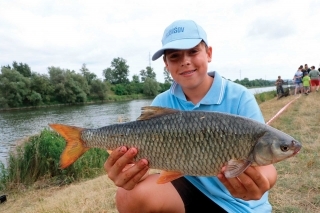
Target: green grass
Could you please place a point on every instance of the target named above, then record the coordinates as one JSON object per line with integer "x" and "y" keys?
{"x": 265, "y": 96}
{"x": 37, "y": 159}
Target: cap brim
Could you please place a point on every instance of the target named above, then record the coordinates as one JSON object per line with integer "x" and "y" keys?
{"x": 177, "y": 45}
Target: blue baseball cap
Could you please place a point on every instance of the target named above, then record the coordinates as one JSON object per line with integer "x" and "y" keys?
{"x": 181, "y": 35}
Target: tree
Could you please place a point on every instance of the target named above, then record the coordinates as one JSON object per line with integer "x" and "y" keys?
{"x": 14, "y": 88}
{"x": 164, "y": 87}
{"x": 108, "y": 75}
{"x": 167, "y": 76}
{"x": 23, "y": 69}
{"x": 87, "y": 74}
{"x": 135, "y": 79}
{"x": 34, "y": 98}
{"x": 148, "y": 73}
{"x": 8, "y": 67}
{"x": 118, "y": 72}
{"x": 69, "y": 87}
{"x": 120, "y": 89}
{"x": 40, "y": 83}
{"x": 98, "y": 89}
{"x": 151, "y": 87}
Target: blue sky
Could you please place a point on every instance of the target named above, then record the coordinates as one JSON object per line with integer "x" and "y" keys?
{"x": 253, "y": 39}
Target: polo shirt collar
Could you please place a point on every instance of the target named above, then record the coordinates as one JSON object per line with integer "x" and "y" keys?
{"x": 213, "y": 96}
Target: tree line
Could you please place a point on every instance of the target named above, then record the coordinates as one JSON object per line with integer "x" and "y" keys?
{"x": 21, "y": 87}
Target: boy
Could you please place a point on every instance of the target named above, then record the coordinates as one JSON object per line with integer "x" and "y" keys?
{"x": 186, "y": 55}
{"x": 306, "y": 83}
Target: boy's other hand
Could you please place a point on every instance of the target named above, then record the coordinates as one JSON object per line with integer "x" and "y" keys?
{"x": 249, "y": 185}
{"x": 122, "y": 171}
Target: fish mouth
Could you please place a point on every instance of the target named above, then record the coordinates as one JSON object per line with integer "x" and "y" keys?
{"x": 297, "y": 147}
{"x": 296, "y": 151}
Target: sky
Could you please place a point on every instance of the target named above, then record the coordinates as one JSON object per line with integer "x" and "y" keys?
{"x": 255, "y": 39}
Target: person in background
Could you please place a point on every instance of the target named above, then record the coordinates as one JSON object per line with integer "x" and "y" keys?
{"x": 304, "y": 71}
{"x": 186, "y": 54}
{"x": 306, "y": 68}
{"x": 297, "y": 78}
{"x": 314, "y": 76}
{"x": 279, "y": 82}
{"x": 306, "y": 83}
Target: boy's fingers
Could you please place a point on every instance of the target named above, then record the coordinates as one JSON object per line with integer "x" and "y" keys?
{"x": 257, "y": 181}
{"x": 118, "y": 161}
{"x": 130, "y": 177}
{"x": 114, "y": 156}
{"x": 132, "y": 182}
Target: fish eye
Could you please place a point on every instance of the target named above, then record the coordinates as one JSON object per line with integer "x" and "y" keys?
{"x": 284, "y": 148}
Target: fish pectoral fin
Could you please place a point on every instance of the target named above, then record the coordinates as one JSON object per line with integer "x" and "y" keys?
{"x": 167, "y": 176}
{"x": 109, "y": 151}
{"x": 235, "y": 167}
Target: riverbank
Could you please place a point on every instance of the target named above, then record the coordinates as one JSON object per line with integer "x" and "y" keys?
{"x": 113, "y": 98}
{"x": 297, "y": 188}
{"x": 110, "y": 99}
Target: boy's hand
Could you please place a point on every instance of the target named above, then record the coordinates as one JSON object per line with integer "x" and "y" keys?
{"x": 250, "y": 185}
{"x": 122, "y": 171}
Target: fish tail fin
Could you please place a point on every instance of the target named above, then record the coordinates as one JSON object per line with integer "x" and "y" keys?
{"x": 75, "y": 146}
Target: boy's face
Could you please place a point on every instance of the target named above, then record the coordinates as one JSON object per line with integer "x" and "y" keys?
{"x": 189, "y": 67}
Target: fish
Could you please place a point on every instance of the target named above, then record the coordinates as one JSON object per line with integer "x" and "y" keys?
{"x": 195, "y": 143}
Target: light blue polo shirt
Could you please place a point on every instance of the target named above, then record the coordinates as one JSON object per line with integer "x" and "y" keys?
{"x": 223, "y": 96}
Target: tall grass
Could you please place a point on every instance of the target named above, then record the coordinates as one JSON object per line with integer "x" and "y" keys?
{"x": 265, "y": 96}
{"x": 37, "y": 159}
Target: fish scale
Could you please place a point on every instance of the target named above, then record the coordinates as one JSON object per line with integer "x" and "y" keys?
{"x": 194, "y": 143}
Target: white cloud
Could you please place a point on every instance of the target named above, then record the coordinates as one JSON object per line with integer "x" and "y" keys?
{"x": 263, "y": 39}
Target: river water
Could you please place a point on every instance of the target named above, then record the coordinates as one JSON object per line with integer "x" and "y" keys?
{"x": 17, "y": 125}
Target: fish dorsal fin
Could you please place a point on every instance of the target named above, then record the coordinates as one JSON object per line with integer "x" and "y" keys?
{"x": 167, "y": 176}
{"x": 235, "y": 167}
{"x": 149, "y": 112}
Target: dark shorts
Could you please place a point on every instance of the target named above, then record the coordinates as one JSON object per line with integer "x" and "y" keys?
{"x": 193, "y": 199}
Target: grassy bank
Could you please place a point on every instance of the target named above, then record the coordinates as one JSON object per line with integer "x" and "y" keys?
{"x": 36, "y": 162}
{"x": 110, "y": 98}
{"x": 297, "y": 188}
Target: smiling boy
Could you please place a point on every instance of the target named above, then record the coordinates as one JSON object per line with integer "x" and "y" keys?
{"x": 186, "y": 55}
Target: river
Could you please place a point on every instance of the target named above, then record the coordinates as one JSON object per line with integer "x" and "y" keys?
{"x": 17, "y": 125}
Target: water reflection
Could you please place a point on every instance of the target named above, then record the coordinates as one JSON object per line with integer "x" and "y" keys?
{"x": 20, "y": 124}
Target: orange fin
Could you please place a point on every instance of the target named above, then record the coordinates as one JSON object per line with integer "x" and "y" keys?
{"x": 235, "y": 167}
{"x": 75, "y": 146}
{"x": 109, "y": 151}
{"x": 167, "y": 176}
{"x": 149, "y": 112}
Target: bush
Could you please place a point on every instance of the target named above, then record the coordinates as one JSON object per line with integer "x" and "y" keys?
{"x": 38, "y": 159}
